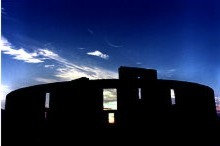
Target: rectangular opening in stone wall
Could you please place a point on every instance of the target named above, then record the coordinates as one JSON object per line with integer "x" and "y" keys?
{"x": 47, "y": 104}
{"x": 110, "y": 99}
{"x": 47, "y": 100}
{"x": 172, "y": 95}
{"x": 139, "y": 93}
{"x": 111, "y": 118}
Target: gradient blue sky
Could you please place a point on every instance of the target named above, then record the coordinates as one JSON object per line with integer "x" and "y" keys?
{"x": 55, "y": 40}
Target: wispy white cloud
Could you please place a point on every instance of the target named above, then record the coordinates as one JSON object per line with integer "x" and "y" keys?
{"x": 47, "y": 53}
{"x": 111, "y": 44}
{"x": 38, "y": 56}
{"x": 70, "y": 72}
{"x": 45, "y": 80}
{"x": 98, "y": 54}
{"x": 51, "y": 66}
{"x": 169, "y": 73}
{"x": 18, "y": 54}
{"x": 66, "y": 70}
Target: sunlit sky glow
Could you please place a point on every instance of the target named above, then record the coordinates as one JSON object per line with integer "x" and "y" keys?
{"x": 60, "y": 40}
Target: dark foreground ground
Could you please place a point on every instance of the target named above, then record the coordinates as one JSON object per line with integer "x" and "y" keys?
{"x": 76, "y": 135}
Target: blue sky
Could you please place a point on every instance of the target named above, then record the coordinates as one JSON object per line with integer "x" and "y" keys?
{"x": 58, "y": 40}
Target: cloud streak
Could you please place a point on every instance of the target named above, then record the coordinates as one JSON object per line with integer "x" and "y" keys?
{"x": 20, "y": 54}
{"x": 66, "y": 70}
{"x": 98, "y": 54}
{"x": 170, "y": 73}
{"x": 45, "y": 80}
{"x": 51, "y": 66}
{"x": 38, "y": 56}
{"x": 111, "y": 44}
{"x": 70, "y": 72}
